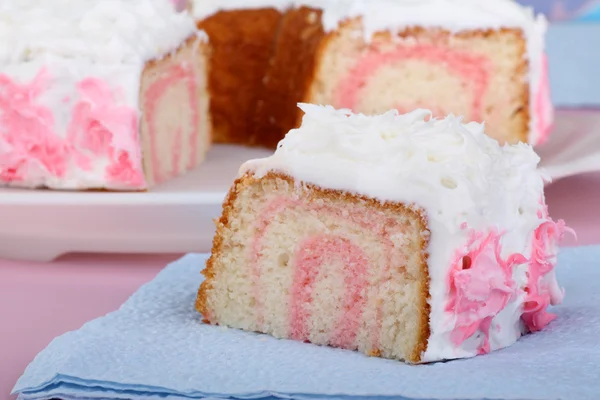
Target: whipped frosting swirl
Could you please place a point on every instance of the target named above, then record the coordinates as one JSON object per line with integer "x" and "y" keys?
{"x": 452, "y": 168}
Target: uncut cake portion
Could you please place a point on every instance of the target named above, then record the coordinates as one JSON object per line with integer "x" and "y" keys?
{"x": 400, "y": 236}
{"x": 100, "y": 94}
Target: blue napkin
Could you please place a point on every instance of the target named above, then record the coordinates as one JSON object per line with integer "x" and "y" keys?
{"x": 155, "y": 347}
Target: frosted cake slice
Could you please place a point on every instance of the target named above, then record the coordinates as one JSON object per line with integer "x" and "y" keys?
{"x": 399, "y": 236}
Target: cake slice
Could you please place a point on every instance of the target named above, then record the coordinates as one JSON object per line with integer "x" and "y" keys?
{"x": 482, "y": 60}
{"x": 100, "y": 94}
{"x": 399, "y": 236}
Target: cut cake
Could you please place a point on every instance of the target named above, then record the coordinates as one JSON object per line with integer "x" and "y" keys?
{"x": 483, "y": 60}
{"x": 400, "y": 236}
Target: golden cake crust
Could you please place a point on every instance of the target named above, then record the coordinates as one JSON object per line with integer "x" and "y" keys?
{"x": 316, "y": 192}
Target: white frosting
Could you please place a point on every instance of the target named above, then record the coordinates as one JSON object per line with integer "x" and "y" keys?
{"x": 454, "y": 172}
{"x": 103, "y": 31}
{"x": 394, "y": 15}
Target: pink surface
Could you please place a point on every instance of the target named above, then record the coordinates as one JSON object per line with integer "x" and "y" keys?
{"x": 41, "y": 301}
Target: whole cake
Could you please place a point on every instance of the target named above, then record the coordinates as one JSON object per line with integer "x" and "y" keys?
{"x": 100, "y": 94}
{"x": 480, "y": 59}
{"x": 400, "y": 236}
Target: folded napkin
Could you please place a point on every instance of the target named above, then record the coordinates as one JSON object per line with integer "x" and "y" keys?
{"x": 155, "y": 347}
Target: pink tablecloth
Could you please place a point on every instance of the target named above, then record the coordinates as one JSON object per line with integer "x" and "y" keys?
{"x": 41, "y": 301}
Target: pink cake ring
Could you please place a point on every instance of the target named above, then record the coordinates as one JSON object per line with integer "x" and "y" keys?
{"x": 156, "y": 92}
{"x": 472, "y": 70}
{"x": 309, "y": 258}
{"x": 312, "y": 253}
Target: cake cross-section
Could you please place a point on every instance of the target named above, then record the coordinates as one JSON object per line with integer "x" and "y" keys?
{"x": 100, "y": 94}
{"x": 401, "y": 236}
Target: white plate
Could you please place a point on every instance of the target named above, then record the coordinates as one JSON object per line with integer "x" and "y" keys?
{"x": 177, "y": 217}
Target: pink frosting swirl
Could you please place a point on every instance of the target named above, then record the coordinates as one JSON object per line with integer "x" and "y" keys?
{"x": 480, "y": 281}
{"x": 27, "y": 137}
{"x": 480, "y": 286}
{"x": 102, "y": 127}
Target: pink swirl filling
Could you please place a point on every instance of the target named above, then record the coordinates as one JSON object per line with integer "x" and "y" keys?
{"x": 315, "y": 251}
{"x": 480, "y": 281}
{"x": 310, "y": 256}
{"x": 472, "y": 70}
{"x": 156, "y": 92}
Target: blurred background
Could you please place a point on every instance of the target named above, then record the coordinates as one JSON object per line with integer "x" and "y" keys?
{"x": 567, "y": 10}
{"x": 573, "y": 44}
